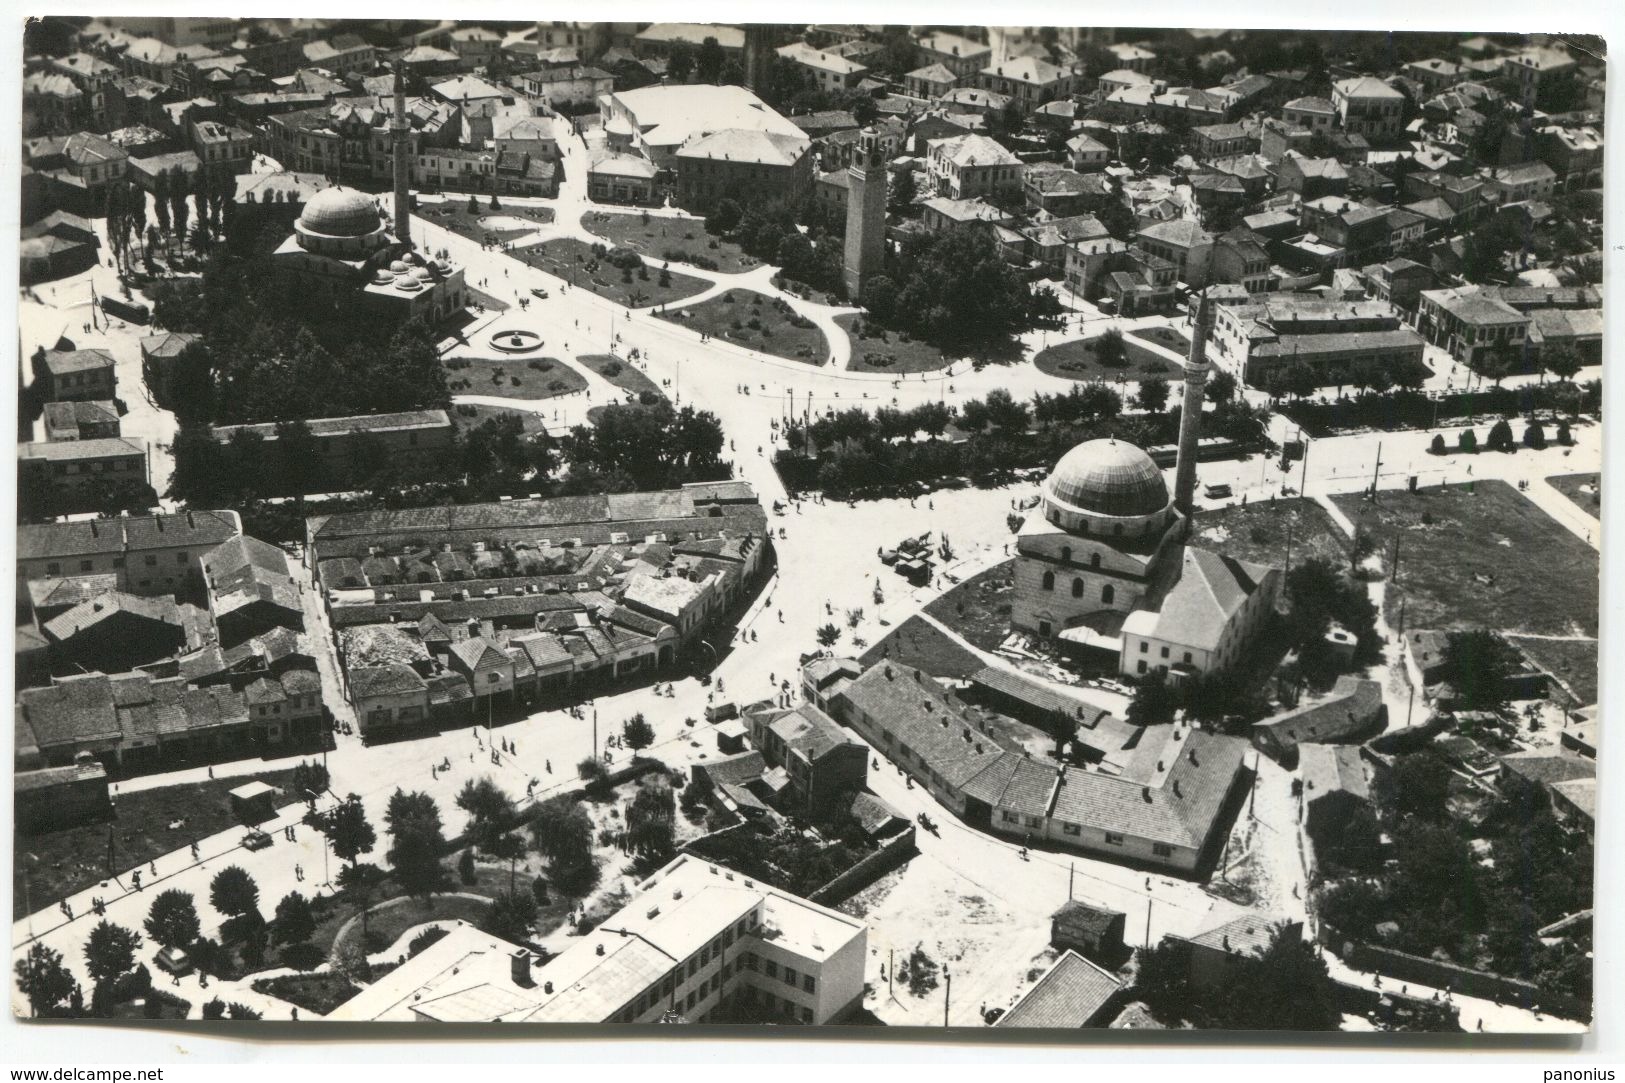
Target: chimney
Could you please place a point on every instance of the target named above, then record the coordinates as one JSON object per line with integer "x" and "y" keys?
{"x": 191, "y": 520}
{"x": 547, "y": 987}
{"x": 600, "y": 949}
{"x": 520, "y": 961}
{"x": 1145, "y": 794}
{"x": 1176, "y": 789}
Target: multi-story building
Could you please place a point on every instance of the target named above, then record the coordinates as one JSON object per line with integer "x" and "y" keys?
{"x": 1183, "y": 243}
{"x": 80, "y": 420}
{"x": 1368, "y": 106}
{"x": 1575, "y": 155}
{"x": 1222, "y": 141}
{"x": 696, "y": 941}
{"x": 765, "y": 167}
{"x": 1240, "y": 257}
{"x": 1520, "y": 183}
{"x": 1028, "y": 81}
{"x": 1311, "y": 114}
{"x": 969, "y": 166}
{"x": 412, "y": 437}
{"x": 960, "y": 55}
{"x": 930, "y": 82}
{"x": 1533, "y": 67}
{"x": 830, "y": 72}
{"x": 73, "y": 471}
{"x": 1259, "y": 341}
{"x": 76, "y": 375}
{"x": 826, "y": 767}
{"x": 146, "y": 554}
{"x": 656, "y": 121}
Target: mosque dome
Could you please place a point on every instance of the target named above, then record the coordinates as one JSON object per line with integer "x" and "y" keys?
{"x": 1108, "y": 477}
{"x": 340, "y": 212}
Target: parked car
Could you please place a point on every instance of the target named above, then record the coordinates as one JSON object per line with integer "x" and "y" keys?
{"x": 256, "y": 840}
{"x": 537, "y": 291}
{"x": 1217, "y": 492}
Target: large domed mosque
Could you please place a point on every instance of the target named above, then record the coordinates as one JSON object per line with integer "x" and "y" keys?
{"x": 343, "y": 250}
{"x": 1103, "y": 568}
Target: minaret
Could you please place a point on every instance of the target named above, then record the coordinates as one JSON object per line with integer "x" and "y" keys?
{"x": 398, "y": 132}
{"x": 1190, "y": 417}
{"x": 865, "y": 215}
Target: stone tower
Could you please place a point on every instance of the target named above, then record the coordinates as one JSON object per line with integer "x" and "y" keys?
{"x": 1190, "y": 417}
{"x": 398, "y": 133}
{"x": 865, "y": 214}
{"x": 759, "y": 39}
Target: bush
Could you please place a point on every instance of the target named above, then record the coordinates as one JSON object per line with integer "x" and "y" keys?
{"x": 465, "y": 866}
{"x": 1534, "y": 435}
{"x": 1500, "y": 438}
{"x": 214, "y": 1009}
{"x": 1437, "y": 447}
{"x": 1467, "y": 441}
{"x": 424, "y": 940}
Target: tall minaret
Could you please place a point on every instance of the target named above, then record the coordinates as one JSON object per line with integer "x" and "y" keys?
{"x": 865, "y": 251}
{"x": 398, "y": 132}
{"x": 1190, "y": 417}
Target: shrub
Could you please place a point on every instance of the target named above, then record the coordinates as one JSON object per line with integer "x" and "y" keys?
{"x": 1534, "y": 435}
{"x": 424, "y": 940}
{"x": 611, "y": 370}
{"x": 1467, "y": 441}
{"x": 465, "y": 866}
{"x": 1437, "y": 447}
{"x": 214, "y": 1009}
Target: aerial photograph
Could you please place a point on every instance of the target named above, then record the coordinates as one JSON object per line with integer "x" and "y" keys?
{"x": 996, "y": 528}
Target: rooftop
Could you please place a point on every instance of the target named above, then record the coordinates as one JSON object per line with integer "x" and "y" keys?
{"x": 1071, "y": 994}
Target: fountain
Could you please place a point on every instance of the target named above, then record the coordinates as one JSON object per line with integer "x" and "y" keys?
{"x": 516, "y": 341}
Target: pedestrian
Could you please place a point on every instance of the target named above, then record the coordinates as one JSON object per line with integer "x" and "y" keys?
{"x": 550, "y": 767}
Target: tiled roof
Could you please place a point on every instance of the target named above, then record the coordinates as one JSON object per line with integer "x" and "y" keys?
{"x": 384, "y": 681}
{"x": 1070, "y": 995}
{"x": 1332, "y": 769}
{"x": 1350, "y": 710}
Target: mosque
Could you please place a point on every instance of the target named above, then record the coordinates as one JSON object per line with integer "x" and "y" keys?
{"x": 343, "y": 250}
{"x": 1103, "y": 569}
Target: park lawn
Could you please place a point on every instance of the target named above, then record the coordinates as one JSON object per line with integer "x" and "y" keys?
{"x": 1489, "y": 558}
{"x": 729, "y": 317}
{"x": 919, "y": 643}
{"x": 1076, "y": 361}
{"x": 979, "y": 608}
{"x": 1260, "y": 532}
{"x": 317, "y": 994}
{"x": 1574, "y": 487}
{"x": 575, "y": 262}
{"x": 511, "y": 377}
{"x": 75, "y": 858}
{"x": 470, "y": 416}
{"x": 888, "y": 351}
{"x": 678, "y": 240}
{"x": 623, "y": 374}
{"x": 453, "y": 214}
{"x": 388, "y": 919}
{"x": 1165, "y": 337}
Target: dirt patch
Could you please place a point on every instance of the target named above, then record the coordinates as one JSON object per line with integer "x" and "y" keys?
{"x": 921, "y": 644}
{"x": 979, "y": 608}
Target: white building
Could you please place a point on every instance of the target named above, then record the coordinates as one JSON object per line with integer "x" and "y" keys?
{"x": 966, "y": 166}
{"x": 694, "y": 938}
{"x": 830, "y": 71}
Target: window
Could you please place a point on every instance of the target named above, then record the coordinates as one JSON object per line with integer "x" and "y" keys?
{"x": 53, "y": 568}
{"x": 1066, "y": 553}
{"x": 1144, "y": 646}
{"x": 1071, "y": 829}
{"x": 705, "y": 955}
{"x": 693, "y": 967}
{"x": 1094, "y": 560}
{"x": 750, "y": 961}
{"x": 1107, "y": 593}
{"x": 1077, "y": 588}
{"x": 152, "y": 560}
{"x": 790, "y": 976}
{"x": 808, "y": 983}
{"x": 1187, "y": 657}
{"x": 1035, "y": 821}
{"x": 1049, "y": 580}
{"x": 1009, "y": 817}
{"x": 85, "y": 565}
{"x": 1162, "y": 849}
{"x": 770, "y": 968}
{"x": 1165, "y": 652}
{"x": 1113, "y": 839}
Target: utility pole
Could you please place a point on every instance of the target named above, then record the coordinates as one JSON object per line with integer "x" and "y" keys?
{"x": 1071, "y": 871}
{"x": 1376, "y": 470}
{"x": 1409, "y": 704}
{"x": 1148, "y": 901}
{"x": 595, "y": 733}
{"x": 1303, "y": 478}
{"x": 891, "y": 969}
{"x": 947, "y": 993}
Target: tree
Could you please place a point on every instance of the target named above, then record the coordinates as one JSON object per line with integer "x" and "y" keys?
{"x": 416, "y": 841}
{"x": 1110, "y": 349}
{"x": 1494, "y": 365}
{"x": 1288, "y": 989}
{"x": 110, "y": 951}
{"x": 1418, "y": 785}
{"x": 1562, "y": 361}
{"x": 44, "y": 979}
{"x": 1481, "y": 665}
{"x": 172, "y": 920}
{"x": 1153, "y": 702}
{"x": 1534, "y": 435}
{"x": 488, "y": 809}
{"x": 1437, "y": 447}
{"x": 510, "y": 916}
{"x": 1467, "y": 441}
{"x": 349, "y": 832}
{"x": 562, "y": 831}
{"x": 293, "y": 922}
{"x": 1153, "y": 396}
{"x": 828, "y": 635}
{"x": 903, "y": 191}
{"x": 680, "y": 62}
{"x": 1221, "y": 387}
{"x": 234, "y": 893}
{"x": 1500, "y": 438}
{"x": 509, "y": 848}
{"x": 637, "y": 732}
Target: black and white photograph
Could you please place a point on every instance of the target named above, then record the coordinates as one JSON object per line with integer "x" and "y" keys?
{"x": 759, "y": 526}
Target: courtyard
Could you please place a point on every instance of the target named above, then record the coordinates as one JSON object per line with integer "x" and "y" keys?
{"x": 755, "y": 322}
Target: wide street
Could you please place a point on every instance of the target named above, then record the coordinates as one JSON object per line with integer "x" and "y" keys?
{"x": 826, "y": 570}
